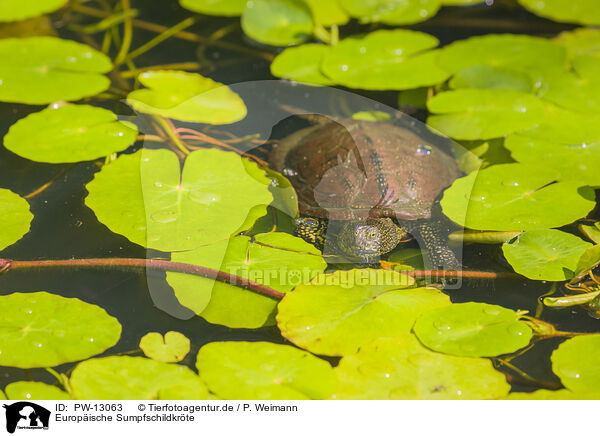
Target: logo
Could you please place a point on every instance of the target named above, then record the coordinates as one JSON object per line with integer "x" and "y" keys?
{"x": 26, "y": 415}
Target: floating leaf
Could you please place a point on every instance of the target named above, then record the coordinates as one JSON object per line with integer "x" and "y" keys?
{"x": 277, "y": 22}
{"x": 15, "y": 218}
{"x": 145, "y": 197}
{"x": 226, "y": 8}
{"x": 371, "y": 116}
{"x": 43, "y": 69}
{"x": 186, "y": 97}
{"x": 516, "y": 197}
{"x": 577, "y": 90}
{"x": 461, "y": 2}
{"x": 483, "y": 113}
{"x": 384, "y": 59}
{"x": 575, "y": 362}
{"x": 278, "y": 260}
{"x": 561, "y": 394}
{"x": 16, "y": 10}
{"x": 264, "y": 371}
{"x": 491, "y": 77}
{"x": 173, "y": 347}
{"x": 408, "y": 258}
{"x": 545, "y": 254}
{"x": 337, "y": 313}
{"x": 43, "y": 330}
{"x": 473, "y": 329}
{"x": 589, "y": 260}
{"x": 580, "y": 41}
{"x": 133, "y": 378}
{"x": 29, "y": 390}
{"x": 327, "y": 13}
{"x": 566, "y": 11}
{"x": 302, "y": 64}
{"x": 591, "y": 232}
{"x": 393, "y": 12}
{"x": 70, "y": 133}
{"x": 402, "y": 369}
{"x": 479, "y": 237}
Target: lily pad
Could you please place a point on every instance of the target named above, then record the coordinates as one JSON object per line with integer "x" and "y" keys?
{"x": 186, "y": 97}
{"x": 133, "y": 378}
{"x": 70, "y": 133}
{"x": 402, "y": 369}
{"x": 43, "y": 69}
{"x": 277, "y": 22}
{"x": 385, "y": 59}
{"x": 16, "y": 10}
{"x": 225, "y": 8}
{"x": 29, "y": 390}
{"x": 575, "y": 362}
{"x": 337, "y": 313}
{"x": 577, "y": 90}
{"x": 302, "y": 64}
{"x": 491, "y": 77}
{"x": 561, "y": 394}
{"x": 473, "y": 329}
{"x": 393, "y": 12}
{"x": 15, "y": 218}
{"x": 264, "y": 371}
{"x": 545, "y": 254}
{"x": 148, "y": 199}
{"x": 278, "y": 260}
{"x": 43, "y": 330}
{"x": 173, "y": 347}
{"x": 327, "y": 13}
{"x": 566, "y": 11}
{"x": 461, "y": 2}
{"x": 513, "y": 197}
{"x": 589, "y": 260}
{"x": 580, "y": 41}
{"x": 483, "y": 113}
{"x": 591, "y": 232}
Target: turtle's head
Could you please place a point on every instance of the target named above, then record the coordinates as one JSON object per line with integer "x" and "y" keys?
{"x": 369, "y": 238}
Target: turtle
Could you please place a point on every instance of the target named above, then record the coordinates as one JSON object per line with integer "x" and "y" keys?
{"x": 372, "y": 183}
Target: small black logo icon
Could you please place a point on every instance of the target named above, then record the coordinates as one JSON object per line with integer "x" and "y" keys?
{"x": 26, "y": 415}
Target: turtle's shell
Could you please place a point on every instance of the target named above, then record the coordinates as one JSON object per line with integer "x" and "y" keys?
{"x": 355, "y": 169}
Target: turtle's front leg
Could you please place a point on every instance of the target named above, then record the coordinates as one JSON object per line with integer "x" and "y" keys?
{"x": 312, "y": 230}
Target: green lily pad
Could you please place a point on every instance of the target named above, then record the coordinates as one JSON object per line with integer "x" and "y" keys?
{"x": 147, "y": 198}
{"x": 581, "y": 41}
{"x": 264, "y": 371}
{"x": 589, "y": 260}
{"x": 577, "y": 90}
{"x": 461, "y": 2}
{"x": 327, "y": 13}
{"x": 15, "y": 218}
{"x": 29, "y": 390}
{"x": 43, "y": 330}
{"x": 473, "y": 329}
{"x": 337, "y": 313}
{"x": 401, "y": 368}
{"x": 385, "y": 59}
{"x": 173, "y": 347}
{"x": 70, "y": 133}
{"x": 545, "y": 254}
{"x": 591, "y": 232}
{"x": 186, "y": 97}
{"x": 575, "y": 362}
{"x": 566, "y": 11}
{"x": 393, "y": 12}
{"x": 483, "y": 113}
{"x": 134, "y": 378}
{"x": 15, "y": 10}
{"x": 516, "y": 197}
{"x": 278, "y": 260}
{"x": 277, "y": 22}
{"x": 302, "y": 64}
{"x": 492, "y": 77}
{"x": 43, "y": 69}
{"x": 225, "y": 8}
{"x": 371, "y": 116}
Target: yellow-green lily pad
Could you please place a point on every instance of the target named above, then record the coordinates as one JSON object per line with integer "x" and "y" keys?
{"x": 278, "y": 260}
{"x": 516, "y": 197}
{"x": 277, "y": 22}
{"x": 70, "y": 133}
{"x": 186, "y": 97}
{"x": 15, "y": 218}
{"x": 29, "y": 390}
{"x": 302, "y": 64}
{"x": 401, "y": 368}
{"x": 473, "y": 329}
{"x": 134, "y": 378}
{"x": 173, "y": 347}
{"x": 589, "y": 260}
{"x": 147, "y": 198}
{"x": 483, "y": 113}
{"x": 393, "y": 12}
{"x": 566, "y": 11}
{"x": 44, "y": 69}
{"x": 327, "y": 13}
{"x": 544, "y": 394}
{"x": 16, "y": 10}
{"x": 384, "y": 59}
{"x": 225, "y": 8}
{"x": 580, "y": 41}
{"x": 492, "y": 77}
{"x": 42, "y": 330}
{"x": 337, "y": 313}
{"x": 264, "y": 371}
{"x": 545, "y": 254}
{"x": 575, "y": 362}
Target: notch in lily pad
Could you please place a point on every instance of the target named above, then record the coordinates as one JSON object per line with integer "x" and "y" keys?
{"x": 172, "y": 347}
